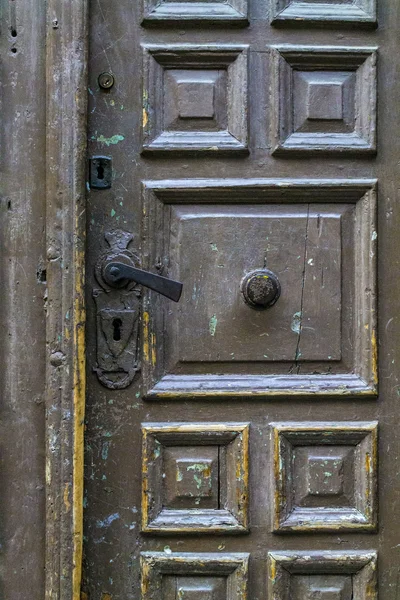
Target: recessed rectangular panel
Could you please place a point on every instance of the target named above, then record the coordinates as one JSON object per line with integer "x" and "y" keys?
{"x": 324, "y": 476}
{"x": 228, "y": 242}
{"x": 296, "y": 12}
{"x": 195, "y": 98}
{"x": 323, "y": 575}
{"x": 195, "y": 478}
{"x": 323, "y": 99}
{"x": 315, "y": 239}
{"x": 175, "y": 12}
{"x": 194, "y": 576}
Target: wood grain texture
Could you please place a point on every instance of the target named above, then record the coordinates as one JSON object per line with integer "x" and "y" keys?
{"x": 174, "y": 13}
{"x": 296, "y": 70}
{"x": 67, "y": 44}
{"x": 324, "y": 476}
{"x": 156, "y": 566}
{"x": 338, "y": 13}
{"x": 336, "y": 566}
{"x": 23, "y": 293}
{"x": 166, "y": 128}
{"x": 113, "y": 520}
{"x": 184, "y": 366}
{"x": 229, "y": 511}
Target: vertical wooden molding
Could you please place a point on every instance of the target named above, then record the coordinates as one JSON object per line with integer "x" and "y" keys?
{"x": 66, "y": 71}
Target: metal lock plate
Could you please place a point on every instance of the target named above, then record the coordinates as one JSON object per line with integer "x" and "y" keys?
{"x": 117, "y": 318}
{"x": 100, "y": 172}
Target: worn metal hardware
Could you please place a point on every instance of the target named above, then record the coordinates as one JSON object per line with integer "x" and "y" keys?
{"x": 117, "y": 318}
{"x": 118, "y": 306}
{"x": 100, "y": 172}
{"x": 106, "y": 80}
{"x": 261, "y": 289}
{"x": 116, "y": 273}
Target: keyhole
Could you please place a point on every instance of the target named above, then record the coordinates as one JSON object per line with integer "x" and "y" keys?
{"x": 100, "y": 172}
{"x": 117, "y": 324}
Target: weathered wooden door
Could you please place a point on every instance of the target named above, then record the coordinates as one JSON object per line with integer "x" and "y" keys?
{"x": 232, "y": 437}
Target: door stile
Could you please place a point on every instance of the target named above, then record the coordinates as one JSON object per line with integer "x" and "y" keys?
{"x": 66, "y": 73}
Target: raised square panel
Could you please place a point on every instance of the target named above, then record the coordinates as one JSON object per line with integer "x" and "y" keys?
{"x": 212, "y": 12}
{"x": 190, "y": 576}
{"x": 327, "y": 11}
{"x": 324, "y": 476}
{"x": 195, "y": 477}
{"x": 318, "y": 237}
{"x": 324, "y": 99}
{"x": 195, "y": 98}
{"x": 191, "y": 477}
{"x": 325, "y": 575}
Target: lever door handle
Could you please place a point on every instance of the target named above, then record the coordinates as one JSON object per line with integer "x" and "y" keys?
{"x": 116, "y": 272}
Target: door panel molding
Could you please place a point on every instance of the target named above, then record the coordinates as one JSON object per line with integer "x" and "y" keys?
{"x": 66, "y": 72}
{"x": 183, "y": 369}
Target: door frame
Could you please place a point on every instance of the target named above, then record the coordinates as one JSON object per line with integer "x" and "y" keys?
{"x": 67, "y": 37}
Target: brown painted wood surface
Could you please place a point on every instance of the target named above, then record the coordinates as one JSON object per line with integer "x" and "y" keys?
{"x": 23, "y": 290}
{"x": 315, "y": 169}
{"x": 43, "y": 147}
{"x": 66, "y": 62}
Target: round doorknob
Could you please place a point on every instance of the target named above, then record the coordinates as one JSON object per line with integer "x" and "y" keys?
{"x": 261, "y": 289}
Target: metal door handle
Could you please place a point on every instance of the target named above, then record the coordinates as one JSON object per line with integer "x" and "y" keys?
{"x": 116, "y": 273}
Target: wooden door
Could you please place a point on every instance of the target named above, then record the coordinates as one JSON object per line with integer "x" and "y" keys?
{"x": 232, "y": 437}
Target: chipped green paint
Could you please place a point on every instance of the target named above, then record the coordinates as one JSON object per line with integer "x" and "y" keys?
{"x": 199, "y": 481}
{"x": 179, "y": 475}
{"x": 296, "y": 322}
{"x": 213, "y": 325}
{"x": 157, "y": 450}
{"x": 113, "y": 213}
{"x": 113, "y": 140}
{"x": 214, "y": 247}
{"x": 104, "y": 450}
{"x": 199, "y": 467}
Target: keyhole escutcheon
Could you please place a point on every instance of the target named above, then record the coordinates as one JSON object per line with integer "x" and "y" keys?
{"x": 117, "y": 326}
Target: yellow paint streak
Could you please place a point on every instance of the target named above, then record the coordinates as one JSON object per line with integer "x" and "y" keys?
{"x": 272, "y": 569}
{"x": 153, "y": 349}
{"x": 106, "y": 596}
{"x": 368, "y": 463}
{"x": 145, "y": 578}
{"x": 244, "y": 476}
{"x": 145, "y": 117}
{"x": 67, "y": 503}
{"x": 146, "y": 337}
{"x": 67, "y": 334}
{"x": 374, "y": 349}
{"x": 177, "y": 395}
{"x": 277, "y": 475}
{"x": 368, "y": 472}
{"x": 145, "y": 499}
{"x": 194, "y": 427}
{"x": 79, "y": 373}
